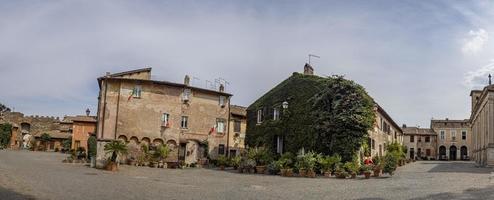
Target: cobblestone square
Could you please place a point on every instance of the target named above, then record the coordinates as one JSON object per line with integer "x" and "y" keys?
{"x": 42, "y": 175}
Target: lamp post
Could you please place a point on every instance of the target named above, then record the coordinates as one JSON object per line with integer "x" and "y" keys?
{"x": 280, "y": 141}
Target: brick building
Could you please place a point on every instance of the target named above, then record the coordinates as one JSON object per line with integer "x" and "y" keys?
{"x": 138, "y": 110}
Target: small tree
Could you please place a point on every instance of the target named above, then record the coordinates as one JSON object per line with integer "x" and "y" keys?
{"x": 5, "y": 134}
{"x": 162, "y": 152}
{"x": 115, "y": 148}
{"x": 91, "y": 146}
{"x": 45, "y": 138}
{"x": 67, "y": 144}
{"x": 390, "y": 162}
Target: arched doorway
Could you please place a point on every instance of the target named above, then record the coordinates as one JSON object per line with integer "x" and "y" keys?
{"x": 442, "y": 153}
{"x": 452, "y": 152}
{"x": 464, "y": 153}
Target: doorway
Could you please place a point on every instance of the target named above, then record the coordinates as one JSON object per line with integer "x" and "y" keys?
{"x": 452, "y": 152}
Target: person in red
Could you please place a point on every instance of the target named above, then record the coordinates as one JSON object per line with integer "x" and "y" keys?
{"x": 368, "y": 161}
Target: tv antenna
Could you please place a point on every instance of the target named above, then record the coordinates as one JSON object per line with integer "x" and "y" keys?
{"x": 312, "y": 55}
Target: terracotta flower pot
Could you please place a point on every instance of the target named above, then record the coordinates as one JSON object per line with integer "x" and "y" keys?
{"x": 261, "y": 169}
{"x": 222, "y": 167}
{"x": 302, "y": 172}
{"x": 289, "y": 172}
{"x": 354, "y": 175}
{"x": 111, "y": 166}
{"x": 367, "y": 174}
{"x": 327, "y": 174}
{"x": 377, "y": 172}
{"x": 311, "y": 174}
{"x": 283, "y": 172}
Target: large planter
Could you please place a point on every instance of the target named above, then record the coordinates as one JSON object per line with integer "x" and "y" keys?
{"x": 287, "y": 172}
{"x": 111, "y": 166}
{"x": 367, "y": 174}
{"x": 327, "y": 174}
{"x": 261, "y": 169}
{"x": 302, "y": 172}
{"x": 311, "y": 174}
{"x": 377, "y": 172}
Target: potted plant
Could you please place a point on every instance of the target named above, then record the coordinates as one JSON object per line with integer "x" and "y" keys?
{"x": 261, "y": 156}
{"x": 235, "y": 162}
{"x": 311, "y": 161}
{"x": 115, "y": 148}
{"x": 367, "y": 170}
{"x": 273, "y": 168}
{"x": 340, "y": 172}
{"x": 285, "y": 164}
{"x": 389, "y": 165}
{"x": 222, "y": 162}
{"x": 327, "y": 164}
{"x": 352, "y": 168}
{"x": 377, "y": 166}
{"x": 301, "y": 163}
{"x": 161, "y": 154}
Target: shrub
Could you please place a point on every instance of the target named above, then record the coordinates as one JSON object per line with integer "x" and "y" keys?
{"x": 351, "y": 167}
{"x": 273, "y": 168}
{"x": 286, "y": 161}
{"x": 260, "y": 155}
{"x": 222, "y": 160}
{"x": 235, "y": 161}
{"x": 390, "y": 162}
{"x": 328, "y": 163}
{"x": 91, "y": 146}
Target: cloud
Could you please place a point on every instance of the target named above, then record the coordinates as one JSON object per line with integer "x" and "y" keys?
{"x": 477, "y": 79}
{"x": 475, "y": 42}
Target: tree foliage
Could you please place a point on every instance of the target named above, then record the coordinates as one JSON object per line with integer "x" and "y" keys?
{"x": 5, "y": 134}
{"x": 91, "y": 146}
{"x": 115, "y": 148}
{"x": 344, "y": 113}
{"x": 4, "y": 108}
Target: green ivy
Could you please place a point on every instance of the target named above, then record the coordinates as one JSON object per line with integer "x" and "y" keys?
{"x": 5, "y": 134}
{"x": 329, "y": 115}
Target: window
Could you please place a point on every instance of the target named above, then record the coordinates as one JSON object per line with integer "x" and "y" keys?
{"x": 259, "y": 116}
{"x": 222, "y": 101}
{"x": 373, "y": 144}
{"x": 165, "y": 119}
{"x": 441, "y": 134}
{"x": 136, "y": 92}
{"x": 185, "y": 121}
{"x": 236, "y": 126}
{"x": 276, "y": 114}
{"x": 464, "y": 135}
{"x": 220, "y": 126}
{"x": 221, "y": 149}
{"x": 186, "y": 95}
{"x": 453, "y": 135}
{"x": 427, "y": 139}
{"x": 420, "y": 138}
{"x": 412, "y": 138}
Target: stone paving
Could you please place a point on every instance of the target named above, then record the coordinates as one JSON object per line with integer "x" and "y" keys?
{"x": 42, "y": 175}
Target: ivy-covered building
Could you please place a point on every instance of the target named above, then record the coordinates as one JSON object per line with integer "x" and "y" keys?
{"x": 331, "y": 115}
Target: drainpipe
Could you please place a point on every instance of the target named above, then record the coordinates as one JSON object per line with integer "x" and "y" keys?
{"x": 118, "y": 106}
{"x": 228, "y": 131}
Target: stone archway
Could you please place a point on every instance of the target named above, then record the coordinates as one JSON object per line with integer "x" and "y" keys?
{"x": 452, "y": 152}
{"x": 157, "y": 142}
{"x": 123, "y": 138}
{"x": 463, "y": 153}
{"x": 442, "y": 153}
{"x": 146, "y": 141}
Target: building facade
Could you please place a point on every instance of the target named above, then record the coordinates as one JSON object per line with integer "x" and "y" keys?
{"x": 238, "y": 125}
{"x": 385, "y": 131}
{"x": 454, "y": 139}
{"x": 482, "y": 126}
{"x": 421, "y": 143}
{"x": 138, "y": 110}
{"x": 26, "y": 131}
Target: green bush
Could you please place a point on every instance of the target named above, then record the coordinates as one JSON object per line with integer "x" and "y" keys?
{"x": 306, "y": 160}
{"x": 286, "y": 161}
{"x": 222, "y": 160}
{"x": 91, "y": 146}
{"x": 5, "y": 134}
{"x": 390, "y": 162}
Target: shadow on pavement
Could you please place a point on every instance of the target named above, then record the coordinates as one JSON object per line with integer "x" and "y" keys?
{"x": 11, "y": 195}
{"x": 477, "y": 193}
{"x": 457, "y": 167}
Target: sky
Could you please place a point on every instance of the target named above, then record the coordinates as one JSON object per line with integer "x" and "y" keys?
{"x": 418, "y": 59}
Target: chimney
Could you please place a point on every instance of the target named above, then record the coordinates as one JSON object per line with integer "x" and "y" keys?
{"x": 187, "y": 80}
{"x": 308, "y": 70}
{"x": 88, "y": 112}
{"x": 222, "y": 88}
{"x": 404, "y": 125}
{"x": 447, "y": 119}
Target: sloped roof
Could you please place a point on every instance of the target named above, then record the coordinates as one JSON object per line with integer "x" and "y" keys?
{"x": 53, "y": 134}
{"x": 238, "y": 110}
{"x": 418, "y": 131}
{"x": 131, "y": 72}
